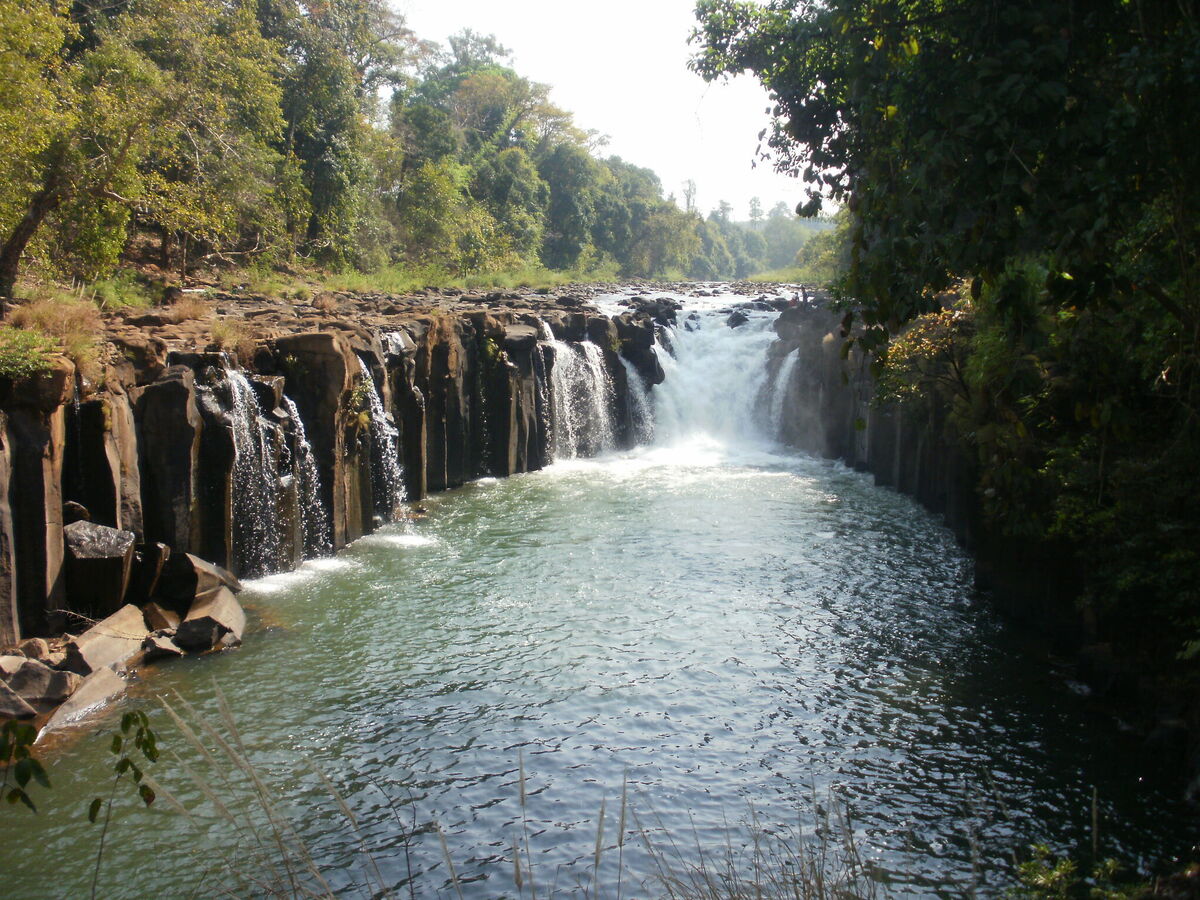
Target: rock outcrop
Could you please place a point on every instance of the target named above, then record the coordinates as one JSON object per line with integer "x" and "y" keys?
{"x": 185, "y": 466}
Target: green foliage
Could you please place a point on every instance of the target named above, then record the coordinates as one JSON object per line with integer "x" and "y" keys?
{"x": 24, "y": 353}
{"x": 1046, "y": 878}
{"x": 18, "y": 763}
{"x": 1041, "y": 154}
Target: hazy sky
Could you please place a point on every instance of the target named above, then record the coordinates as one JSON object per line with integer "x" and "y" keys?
{"x": 621, "y": 67}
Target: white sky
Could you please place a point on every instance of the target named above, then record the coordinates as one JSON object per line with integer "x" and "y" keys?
{"x": 621, "y": 67}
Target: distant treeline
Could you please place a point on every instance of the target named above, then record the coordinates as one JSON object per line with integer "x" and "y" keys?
{"x": 258, "y": 132}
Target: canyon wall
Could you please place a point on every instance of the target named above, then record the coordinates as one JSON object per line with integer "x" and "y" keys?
{"x": 286, "y": 447}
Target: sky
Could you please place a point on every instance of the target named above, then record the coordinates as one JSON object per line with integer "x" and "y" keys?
{"x": 621, "y": 67}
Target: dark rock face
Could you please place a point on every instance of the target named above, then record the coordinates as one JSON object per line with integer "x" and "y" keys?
{"x": 169, "y": 430}
{"x": 321, "y": 374}
{"x": 99, "y": 562}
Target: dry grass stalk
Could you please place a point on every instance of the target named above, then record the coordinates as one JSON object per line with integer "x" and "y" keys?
{"x": 189, "y": 307}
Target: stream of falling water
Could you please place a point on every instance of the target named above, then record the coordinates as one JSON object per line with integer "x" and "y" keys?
{"x": 255, "y": 481}
{"x": 314, "y": 519}
{"x": 722, "y": 628}
{"x": 386, "y": 473}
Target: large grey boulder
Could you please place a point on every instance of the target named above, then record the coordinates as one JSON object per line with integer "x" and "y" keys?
{"x": 99, "y": 560}
{"x": 42, "y": 687}
{"x": 215, "y": 618}
{"x": 113, "y": 641}
{"x": 12, "y": 706}
{"x": 94, "y": 691}
{"x": 185, "y": 577}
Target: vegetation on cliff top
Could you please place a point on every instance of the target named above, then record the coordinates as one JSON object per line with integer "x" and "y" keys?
{"x": 320, "y": 135}
{"x": 1033, "y": 163}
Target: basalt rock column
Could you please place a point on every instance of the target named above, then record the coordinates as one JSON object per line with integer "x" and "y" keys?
{"x": 321, "y": 373}
{"x": 169, "y": 431}
{"x": 36, "y": 435}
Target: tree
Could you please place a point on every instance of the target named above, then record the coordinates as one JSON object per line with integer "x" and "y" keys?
{"x": 1039, "y": 155}
{"x": 756, "y": 211}
{"x": 166, "y": 109}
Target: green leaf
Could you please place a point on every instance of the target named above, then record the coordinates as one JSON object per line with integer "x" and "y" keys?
{"x": 146, "y": 794}
{"x": 94, "y": 810}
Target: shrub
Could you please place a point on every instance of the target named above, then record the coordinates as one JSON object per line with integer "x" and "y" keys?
{"x": 73, "y": 324}
{"x": 24, "y": 353}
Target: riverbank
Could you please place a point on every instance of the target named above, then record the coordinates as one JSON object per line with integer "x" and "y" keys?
{"x": 607, "y": 618}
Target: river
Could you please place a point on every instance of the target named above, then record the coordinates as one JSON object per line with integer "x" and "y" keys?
{"x": 721, "y": 628}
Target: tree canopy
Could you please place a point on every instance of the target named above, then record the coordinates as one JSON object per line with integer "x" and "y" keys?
{"x": 1022, "y": 187}
{"x": 266, "y": 131}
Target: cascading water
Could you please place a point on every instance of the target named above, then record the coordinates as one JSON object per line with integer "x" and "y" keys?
{"x": 386, "y": 475}
{"x": 641, "y": 412}
{"x": 313, "y": 520}
{"x": 779, "y": 390}
{"x": 255, "y": 481}
{"x": 581, "y": 399}
{"x": 714, "y": 375}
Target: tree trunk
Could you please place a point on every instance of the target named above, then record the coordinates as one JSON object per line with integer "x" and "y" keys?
{"x": 40, "y": 206}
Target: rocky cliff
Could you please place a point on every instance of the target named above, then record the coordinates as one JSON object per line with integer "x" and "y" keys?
{"x": 299, "y": 437}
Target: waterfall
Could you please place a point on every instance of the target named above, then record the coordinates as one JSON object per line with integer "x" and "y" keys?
{"x": 641, "y": 414}
{"x": 714, "y": 377}
{"x": 255, "y": 481}
{"x": 313, "y": 520}
{"x": 780, "y": 387}
{"x": 581, "y": 399}
{"x": 387, "y": 478}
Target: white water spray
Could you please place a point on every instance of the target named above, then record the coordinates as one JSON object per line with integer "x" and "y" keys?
{"x": 313, "y": 521}
{"x": 581, "y": 399}
{"x": 387, "y": 477}
{"x": 781, "y": 386}
{"x": 714, "y": 377}
{"x": 255, "y": 482}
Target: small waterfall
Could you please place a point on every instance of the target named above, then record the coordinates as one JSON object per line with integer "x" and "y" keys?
{"x": 314, "y": 521}
{"x": 581, "y": 400}
{"x": 255, "y": 482}
{"x": 780, "y": 387}
{"x": 387, "y": 478}
{"x": 640, "y": 412}
{"x": 715, "y": 376}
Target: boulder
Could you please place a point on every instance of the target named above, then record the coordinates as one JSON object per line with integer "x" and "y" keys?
{"x": 10, "y": 665}
{"x": 99, "y": 561}
{"x": 160, "y": 646}
{"x": 42, "y": 687}
{"x": 213, "y": 616}
{"x": 12, "y": 706}
{"x": 111, "y": 642}
{"x": 35, "y": 648}
{"x": 185, "y": 577}
{"x": 520, "y": 337}
{"x": 94, "y": 691}
{"x": 160, "y": 619}
{"x": 736, "y": 319}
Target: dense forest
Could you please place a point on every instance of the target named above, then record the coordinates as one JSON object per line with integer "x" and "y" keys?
{"x": 321, "y": 133}
{"x": 1023, "y": 249}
